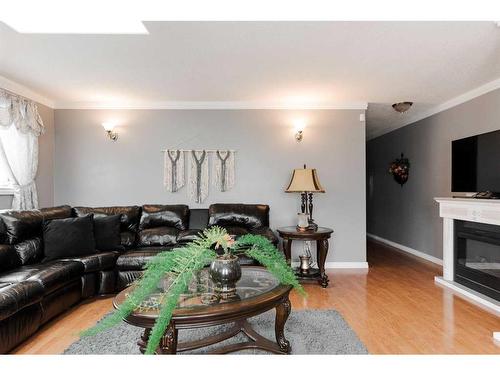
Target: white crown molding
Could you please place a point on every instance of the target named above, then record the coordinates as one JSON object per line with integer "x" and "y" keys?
{"x": 22, "y": 90}
{"x": 234, "y": 105}
{"x": 469, "y": 95}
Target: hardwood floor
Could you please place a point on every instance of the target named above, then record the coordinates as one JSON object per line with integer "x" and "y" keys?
{"x": 394, "y": 307}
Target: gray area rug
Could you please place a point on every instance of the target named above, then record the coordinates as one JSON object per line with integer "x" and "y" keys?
{"x": 309, "y": 332}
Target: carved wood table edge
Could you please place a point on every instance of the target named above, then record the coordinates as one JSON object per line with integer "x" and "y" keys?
{"x": 321, "y": 236}
{"x": 237, "y": 312}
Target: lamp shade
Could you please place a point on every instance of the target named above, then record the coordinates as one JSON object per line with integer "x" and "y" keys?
{"x": 305, "y": 179}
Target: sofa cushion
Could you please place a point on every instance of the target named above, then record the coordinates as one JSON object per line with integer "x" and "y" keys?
{"x": 136, "y": 259}
{"x": 126, "y": 278}
{"x": 129, "y": 214}
{"x": 107, "y": 233}
{"x": 250, "y": 216}
{"x": 21, "y": 225}
{"x": 129, "y": 221}
{"x": 68, "y": 237}
{"x": 188, "y": 235}
{"x": 50, "y": 275}
{"x": 128, "y": 239}
{"x": 29, "y": 251}
{"x": 236, "y": 231}
{"x": 96, "y": 262}
{"x": 8, "y": 258}
{"x": 161, "y": 236}
{"x": 16, "y": 296}
{"x": 59, "y": 212}
{"x": 155, "y": 215}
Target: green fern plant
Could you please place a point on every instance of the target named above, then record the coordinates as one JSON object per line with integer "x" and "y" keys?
{"x": 182, "y": 264}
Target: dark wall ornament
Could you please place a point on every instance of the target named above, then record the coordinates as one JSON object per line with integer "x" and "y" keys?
{"x": 400, "y": 168}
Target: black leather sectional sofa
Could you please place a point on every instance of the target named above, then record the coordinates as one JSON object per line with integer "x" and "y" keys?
{"x": 33, "y": 291}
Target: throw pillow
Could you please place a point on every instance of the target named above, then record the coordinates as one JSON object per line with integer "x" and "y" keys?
{"x": 72, "y": 237}
{"x": 107, "y": 232}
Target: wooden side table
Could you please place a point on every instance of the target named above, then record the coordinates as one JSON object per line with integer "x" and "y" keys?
{"x": 321, "y": 236}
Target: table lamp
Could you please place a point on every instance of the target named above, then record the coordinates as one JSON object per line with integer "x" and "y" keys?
{"x": 306, "y": 182}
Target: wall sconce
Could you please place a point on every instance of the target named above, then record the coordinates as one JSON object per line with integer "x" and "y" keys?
{"x": 109, "y": 127}
{"x": 299, "y": 129}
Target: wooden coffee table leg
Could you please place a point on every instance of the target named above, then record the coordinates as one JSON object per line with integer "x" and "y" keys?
{"x": 282, "y": 313}
{"x": 168, "y": 343}
{"x": 143, "y": 341}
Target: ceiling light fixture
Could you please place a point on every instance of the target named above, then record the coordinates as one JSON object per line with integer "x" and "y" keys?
{"x": 402, "y": 107}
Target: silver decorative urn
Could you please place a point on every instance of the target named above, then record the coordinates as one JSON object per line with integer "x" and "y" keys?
{"x": 225, "y": 271}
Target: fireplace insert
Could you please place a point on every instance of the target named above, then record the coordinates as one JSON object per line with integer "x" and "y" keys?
{"x": 477, "y": 257}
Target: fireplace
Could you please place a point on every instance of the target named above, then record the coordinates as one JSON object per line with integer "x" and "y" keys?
{"x": 477, "y": 257}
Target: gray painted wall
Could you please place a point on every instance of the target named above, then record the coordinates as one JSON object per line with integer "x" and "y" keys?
{"x": 408, "y": 215}
{"x": 46, "y": 150}
{"x": 45, "y": 174}
{"x": 92, "y": 170}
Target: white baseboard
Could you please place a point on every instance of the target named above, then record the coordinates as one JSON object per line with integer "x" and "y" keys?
{"x": 363, "y": 265}
{"x": 406, "y": 249}
{"x": 332, "y": 265}
{"x": 471, "y": 295}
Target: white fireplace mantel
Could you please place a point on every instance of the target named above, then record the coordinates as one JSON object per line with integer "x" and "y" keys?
{"x": 468, "y": 209}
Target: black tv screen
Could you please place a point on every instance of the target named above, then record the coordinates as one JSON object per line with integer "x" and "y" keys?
{"x": 476, "y": 163}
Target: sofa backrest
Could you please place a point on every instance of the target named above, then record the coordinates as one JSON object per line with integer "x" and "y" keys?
{"x": 159, "y": 215}
{"x": 250, "y": 216}
{"x": 130, "y": 216}
{"x": 21, "y": 231}
{"x": 59, "y": 212}
{"x": 18, "y": 226}
{"x": 21, "y": 239}
{"x": 161, "y": 224}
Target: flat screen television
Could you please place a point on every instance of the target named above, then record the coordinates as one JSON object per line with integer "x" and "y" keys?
{"x": 476, "y": 164}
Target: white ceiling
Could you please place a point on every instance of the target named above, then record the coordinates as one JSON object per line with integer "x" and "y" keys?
{"x": 261, "y": 64}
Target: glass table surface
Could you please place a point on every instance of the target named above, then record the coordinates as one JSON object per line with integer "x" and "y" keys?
{"x": 201, "y": 294}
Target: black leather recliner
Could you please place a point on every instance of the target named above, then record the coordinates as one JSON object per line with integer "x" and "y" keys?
{"x": 32, "y": 291}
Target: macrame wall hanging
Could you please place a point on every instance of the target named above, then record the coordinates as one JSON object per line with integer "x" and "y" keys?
{"x": 223, "y": 170}
{"x": 173, "y": 177}
{"x": 198, "y": 176}
{"x": 220, "y": 164}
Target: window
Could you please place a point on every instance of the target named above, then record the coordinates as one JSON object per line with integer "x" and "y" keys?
{"x": 6, "y": 179}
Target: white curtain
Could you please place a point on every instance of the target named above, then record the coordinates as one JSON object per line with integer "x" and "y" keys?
{"x": 20, "y": 126}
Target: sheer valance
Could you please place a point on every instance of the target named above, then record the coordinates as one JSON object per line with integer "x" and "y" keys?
{"x": 20, "y": 112}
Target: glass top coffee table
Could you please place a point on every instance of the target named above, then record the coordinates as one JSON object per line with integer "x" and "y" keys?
{"x": 257, "y": 291}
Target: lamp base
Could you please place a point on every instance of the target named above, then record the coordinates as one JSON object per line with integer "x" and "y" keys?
{"x": 312, "y": 225}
